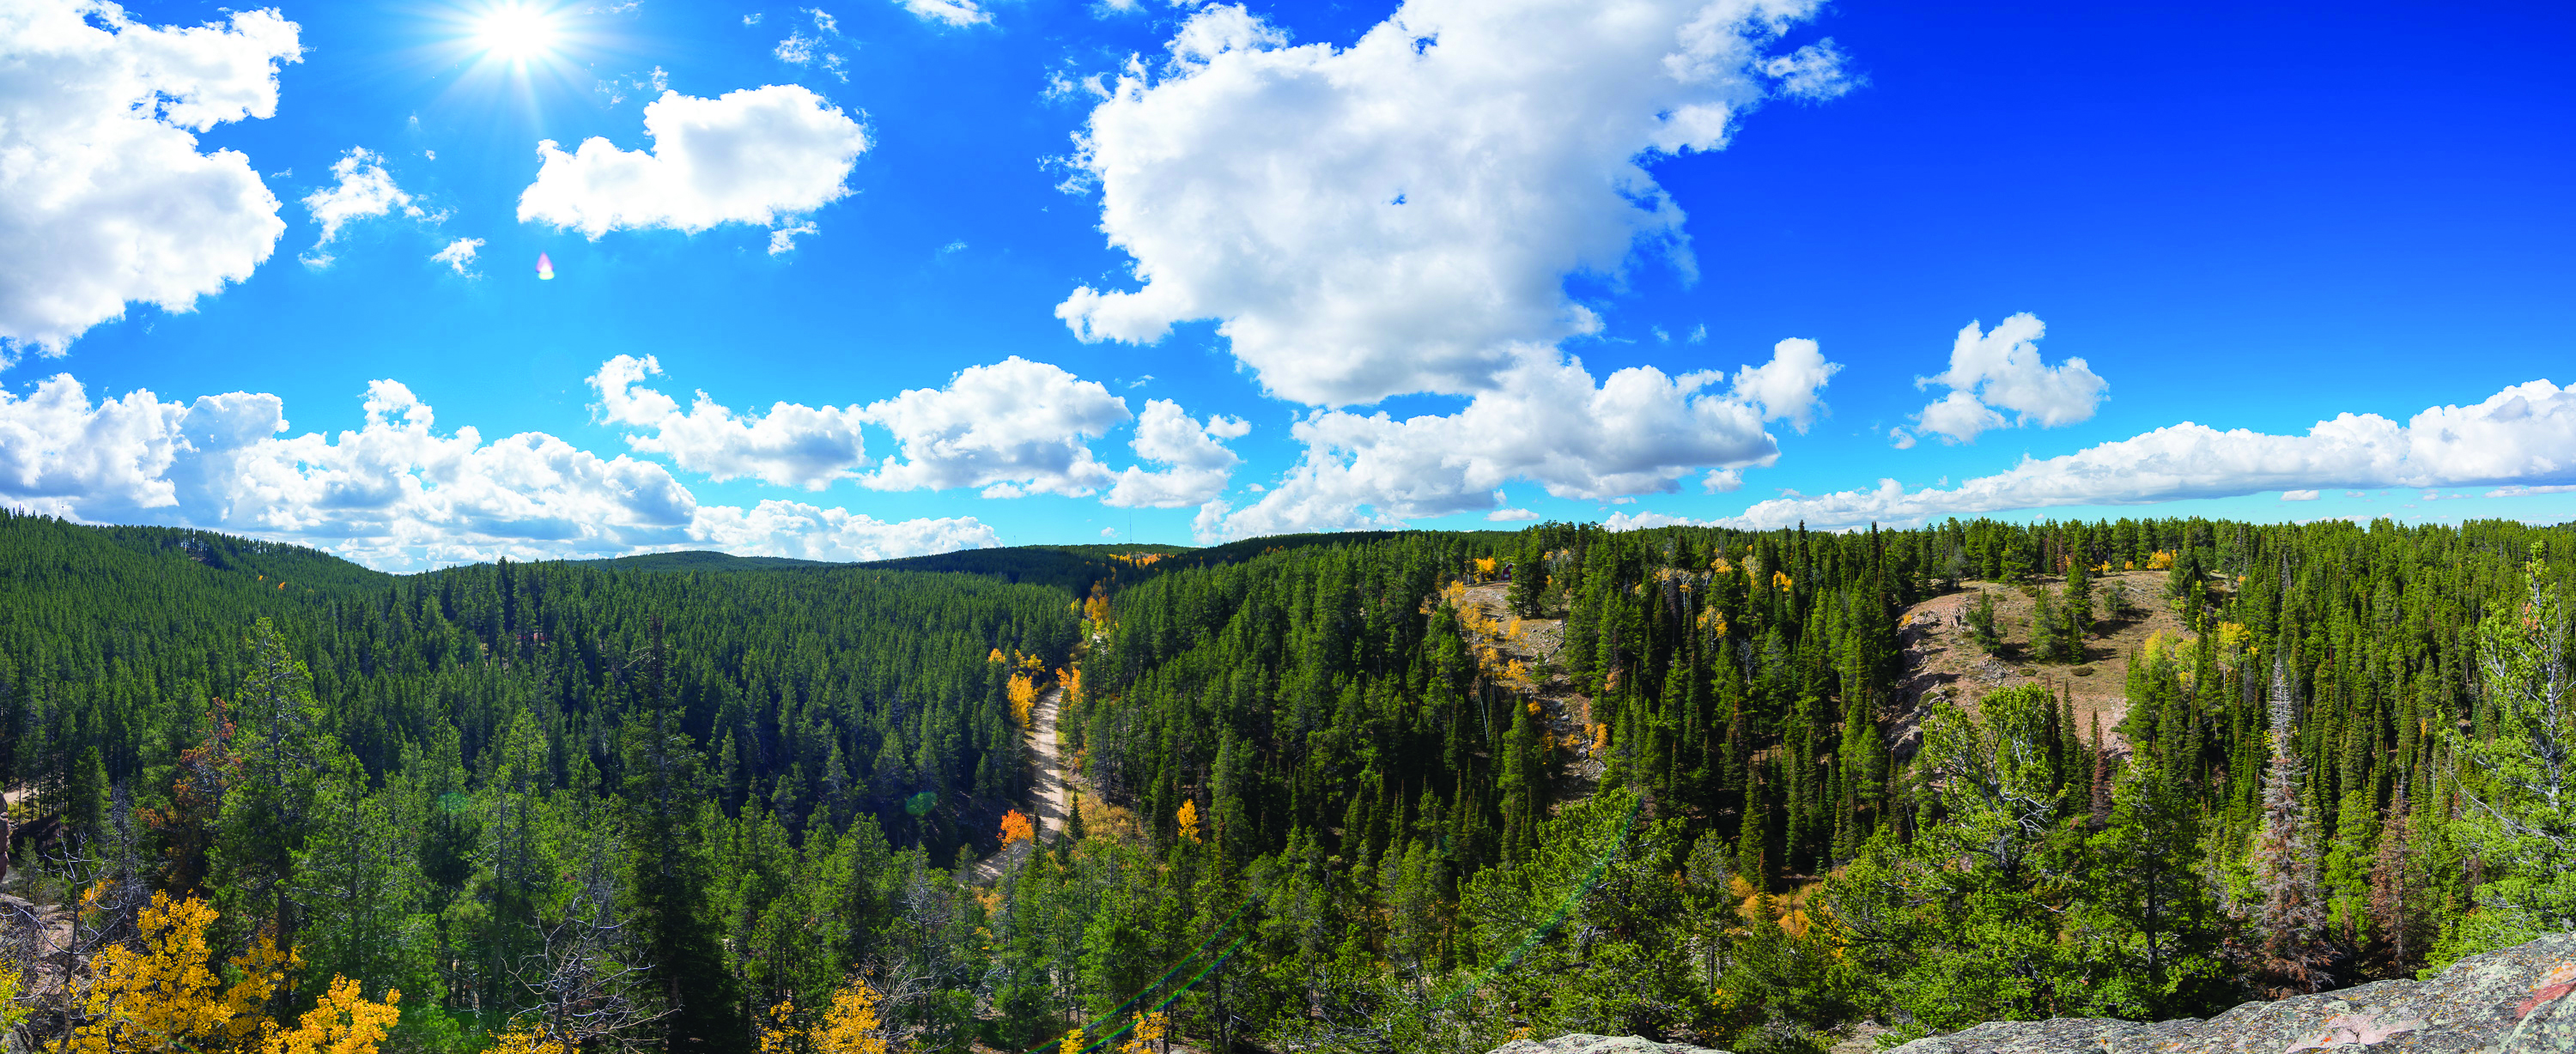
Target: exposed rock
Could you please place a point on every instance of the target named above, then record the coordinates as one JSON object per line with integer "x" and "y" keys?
{"x": 2513, "y": 1001}
{"x": 1583, "y": 1044}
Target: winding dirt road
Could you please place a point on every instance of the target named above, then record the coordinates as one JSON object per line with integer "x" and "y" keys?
{"x": 1052, "y": 806}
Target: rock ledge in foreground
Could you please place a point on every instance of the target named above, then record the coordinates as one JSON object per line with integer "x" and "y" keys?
{"x": 2513, "y": 1001}
{"x": 1580, "y": 1043}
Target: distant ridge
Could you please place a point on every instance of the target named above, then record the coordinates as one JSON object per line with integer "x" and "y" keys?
{"x": 701, "y": 560}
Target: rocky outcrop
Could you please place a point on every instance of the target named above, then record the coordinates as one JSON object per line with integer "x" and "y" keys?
{"x": 2516, "y": 1001}
{"x": 2513, "y": 1001}
{"x": 1583, "y": 1044}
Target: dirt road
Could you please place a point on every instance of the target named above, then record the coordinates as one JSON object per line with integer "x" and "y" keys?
{"x": 1052, "y": 799}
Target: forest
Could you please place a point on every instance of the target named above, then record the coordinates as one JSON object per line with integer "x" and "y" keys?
{"x": 1409, "y": 791}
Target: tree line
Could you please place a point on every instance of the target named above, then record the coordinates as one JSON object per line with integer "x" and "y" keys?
{"x": 1318, "y": 804}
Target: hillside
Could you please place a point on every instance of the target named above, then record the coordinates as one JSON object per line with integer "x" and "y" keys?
{"x": 1943, "y": 663}
{"x": 701, "y": 560}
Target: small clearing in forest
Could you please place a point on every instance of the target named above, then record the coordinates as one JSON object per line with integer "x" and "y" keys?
{"x": 1941, "y": 661}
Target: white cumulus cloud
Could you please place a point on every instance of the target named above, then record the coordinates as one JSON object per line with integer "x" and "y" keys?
{"x": 951, "y": 12}
{"x": 1639, "y": 431}
{"x": 1015, "y": 427}
{"x": 1994, "y": 372}
{"x": 790, "y": 445}
{"x": 1012, "y": 428}
{"x": 1400, "y": 215}
{"x": 361, "y": 188}
{"x": 394, "y": 493}
{"x": 807, "y": 532}
{"x": 459, "y": 254}
{"x": 104, "y": 196}
{"x": 2522, "y": 438}
{"x": 763, "y": 155}
{"x": 1199, "y": 464}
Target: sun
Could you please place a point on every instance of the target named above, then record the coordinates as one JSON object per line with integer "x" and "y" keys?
{"x": 515, "y": 32}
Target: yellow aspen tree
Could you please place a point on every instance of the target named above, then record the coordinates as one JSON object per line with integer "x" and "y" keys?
{"x": 1188, "y": 818}
{"x": 158, "y": 997}
{"x": 530, "y": 1040}
{"x": 344, "y": 1021}
{"x": 851, "y": 1025}
{"x": 1150, "y": 1029}
{"x": 163, "y": 995}
{"x": 1023, "y": 694}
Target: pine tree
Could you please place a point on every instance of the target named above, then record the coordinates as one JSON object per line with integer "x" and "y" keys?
{"x": 2101, "y": 812}
{"x": 2395, "y": 889}
{"x": 2079, "y": 606}
{"x": 2520, "y": 784}
{"x": 2289, "y": 922}
{"x": 668, "y": 869}
{"x": 1981, "y": 623}
{"x": 2159, "y": 933}
{"x": 1529, "y": 579}
{"x": 85, "y": 796}
{"x": 2048, "y": 632}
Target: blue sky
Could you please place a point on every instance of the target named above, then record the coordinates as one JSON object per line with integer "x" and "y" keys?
{"x": 1024, "y": 248}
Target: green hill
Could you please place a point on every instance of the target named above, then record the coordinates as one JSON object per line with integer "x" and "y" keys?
{"x": 701, "y": 560}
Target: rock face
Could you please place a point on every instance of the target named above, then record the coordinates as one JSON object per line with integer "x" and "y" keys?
{"x": 1583, "y": 1044}
{"x": 2513, "y": 1001}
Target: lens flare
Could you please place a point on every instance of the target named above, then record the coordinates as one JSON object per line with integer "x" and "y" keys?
{"x": 545, "y": 268}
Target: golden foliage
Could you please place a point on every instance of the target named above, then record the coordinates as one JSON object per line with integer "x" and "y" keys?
{"x": 164, "y": 995}
{"x": 342, "y": 1022}
{"x": 2160, "y": 560}
{"x": 529, "y": 1040}
{"x": 1188, "y": 819}
{"x": 1782, "y": 580}
{"x": 850, "y": 1026}
{"x": 1150, "y": 1029}
{"x": 1017, "y": 827}
{"x": 1103, "y": 820}
{"x": 2233, "y": 635}
{"x": 1023, "y": 694}
{"x": 1072, "y": 1043}
{"x": 1070, "y": 677}
{"x": 996, "y": 656}
{"x": 1600, "y": 738}
{"x": 1485, "y": 567}
{"x": 1712, "y": 619}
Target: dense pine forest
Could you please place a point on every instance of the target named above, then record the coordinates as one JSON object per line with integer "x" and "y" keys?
{"x": 1398, "y": 792}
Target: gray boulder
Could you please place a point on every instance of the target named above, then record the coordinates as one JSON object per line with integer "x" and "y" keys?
{"x": 2513, "y": 1001}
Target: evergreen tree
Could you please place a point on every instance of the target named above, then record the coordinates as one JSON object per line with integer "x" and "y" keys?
{"x": 2289, "y": 920}
{"x": 2079, "y": 607}
{"x": 2521, "y": 779}
{"x": 668, "y": 869}
{"x": 2158, "y": 926}
{"x": 1982, "y": 628}
{"x": 85, "y": 796}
